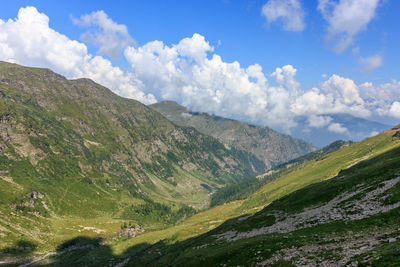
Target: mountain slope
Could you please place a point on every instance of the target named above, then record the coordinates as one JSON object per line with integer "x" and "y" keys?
{"x": 267, "y": 145}
{"x": 248, "y": 186}
{"x": 350, "y": 218}
{"x": 341, "y": 208}
{"x": 73, "y": 153}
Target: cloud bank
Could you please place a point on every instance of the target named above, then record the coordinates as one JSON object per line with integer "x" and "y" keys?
{"x": 190, "y": 73}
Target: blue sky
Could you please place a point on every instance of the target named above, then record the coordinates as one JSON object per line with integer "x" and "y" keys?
{"x": 236, "y": 31}
{"x": 242, "y": 31}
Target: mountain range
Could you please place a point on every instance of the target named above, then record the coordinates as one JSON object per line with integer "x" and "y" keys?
{"x": 75, "y": 149}
{"x": 271, "y": 147}
{"x": 88, "y": 178}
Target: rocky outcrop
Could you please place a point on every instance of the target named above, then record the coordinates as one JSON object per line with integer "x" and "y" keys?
{"x": 131, "y": 231}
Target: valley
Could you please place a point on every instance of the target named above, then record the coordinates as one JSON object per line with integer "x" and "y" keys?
{"x": 90, "y": 178}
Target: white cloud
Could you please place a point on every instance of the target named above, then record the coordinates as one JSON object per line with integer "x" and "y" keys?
{"x": 290, "y": 12}
{"x": 337, "y": 95}
{"x": 338, "y": 128}
{"x": 342, "y": 88}
{"x": 386, "y": 92}
{"x": 355, "y": 50}
{"x": 394, "y": 110}
{"x": 285, "y": 77}
{"x": 318, "y": 121}
{"x": 111, "y": 37}
{"x": 190, "y": 73}
{"x": 346, "y": 18}
{"x": 373, "y": 133}
{"x": 184, "y": 72}
{"x": 379, "y": 98}
{"x": 370, "y": 63}
{"x": 28, "y": 40}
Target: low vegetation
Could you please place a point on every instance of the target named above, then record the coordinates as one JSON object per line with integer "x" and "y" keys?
{"x": 88, "y": 178}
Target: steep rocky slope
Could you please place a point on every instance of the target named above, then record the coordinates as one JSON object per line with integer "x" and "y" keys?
{"x": 266, "y": 144}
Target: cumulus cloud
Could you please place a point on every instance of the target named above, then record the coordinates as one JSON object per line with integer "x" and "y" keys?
{"x": 110, "y": 37}
{"x": 346, "y": 18}
{"x": 337, "y": 95}
{"x": 285, "y": 77}
{"x": 191, "y": 73}
{"x": 370, "y": 63}
{"x": 386, "y": 92}
{"x": 381, "y": 98}
{"x": 394, "y": 110}
{"x": 343, "y": 88}
{"x": 28, "y": 40}
{"x": 188, "y": 74}
{"x": 290, "y": 12}
{"x": 318, "y": 121}
{"x": 337, "y": 128}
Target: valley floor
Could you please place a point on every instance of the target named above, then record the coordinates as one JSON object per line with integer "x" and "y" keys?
{"x": 341, "y": 209}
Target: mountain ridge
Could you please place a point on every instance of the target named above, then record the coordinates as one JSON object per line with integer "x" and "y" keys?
{"x": 73, "y": 150}
{"x": 271, "y": 147}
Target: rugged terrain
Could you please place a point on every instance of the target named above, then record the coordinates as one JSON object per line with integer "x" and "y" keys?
{"x": 91, "y": 179}
{"x": 340, "y": 208}
{"x": 72, "y": 151}
{"x": 271, "y": 147}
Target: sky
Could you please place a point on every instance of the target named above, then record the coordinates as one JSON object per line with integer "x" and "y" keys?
{"x": 266, "y": 62}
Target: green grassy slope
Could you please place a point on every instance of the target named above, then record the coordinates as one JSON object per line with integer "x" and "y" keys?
{"x": 77, "y": 159}
{"x": 266, "y": 144}
{"x": 320, "y": 169}
{"x": 351, "y": 218}
{"x": 336, "y": 209}
{"x": 249, "y": 186}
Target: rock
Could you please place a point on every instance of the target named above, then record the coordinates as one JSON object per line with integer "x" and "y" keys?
{"x": 396, "y": 136}
{"x": 36, "y": 195}
{"x": 131, "y": 231}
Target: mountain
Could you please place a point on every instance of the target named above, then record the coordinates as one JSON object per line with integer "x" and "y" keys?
{"x": 74, "y": 153}
{"x": 351, "y": 128}
{"x": 248, "y": 186}
{"x": 88, "y": 178}
{"x": 340, "y": 209}
{"x": 266, "y": 144}
{"x": 336, "y": 209}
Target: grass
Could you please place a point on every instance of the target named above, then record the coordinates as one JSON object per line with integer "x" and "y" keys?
{"x": 192, "y": 242}
{"x": 94, "y": 155}
{"x": 89, "y": 190}
{"x": 319, "y": 170}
